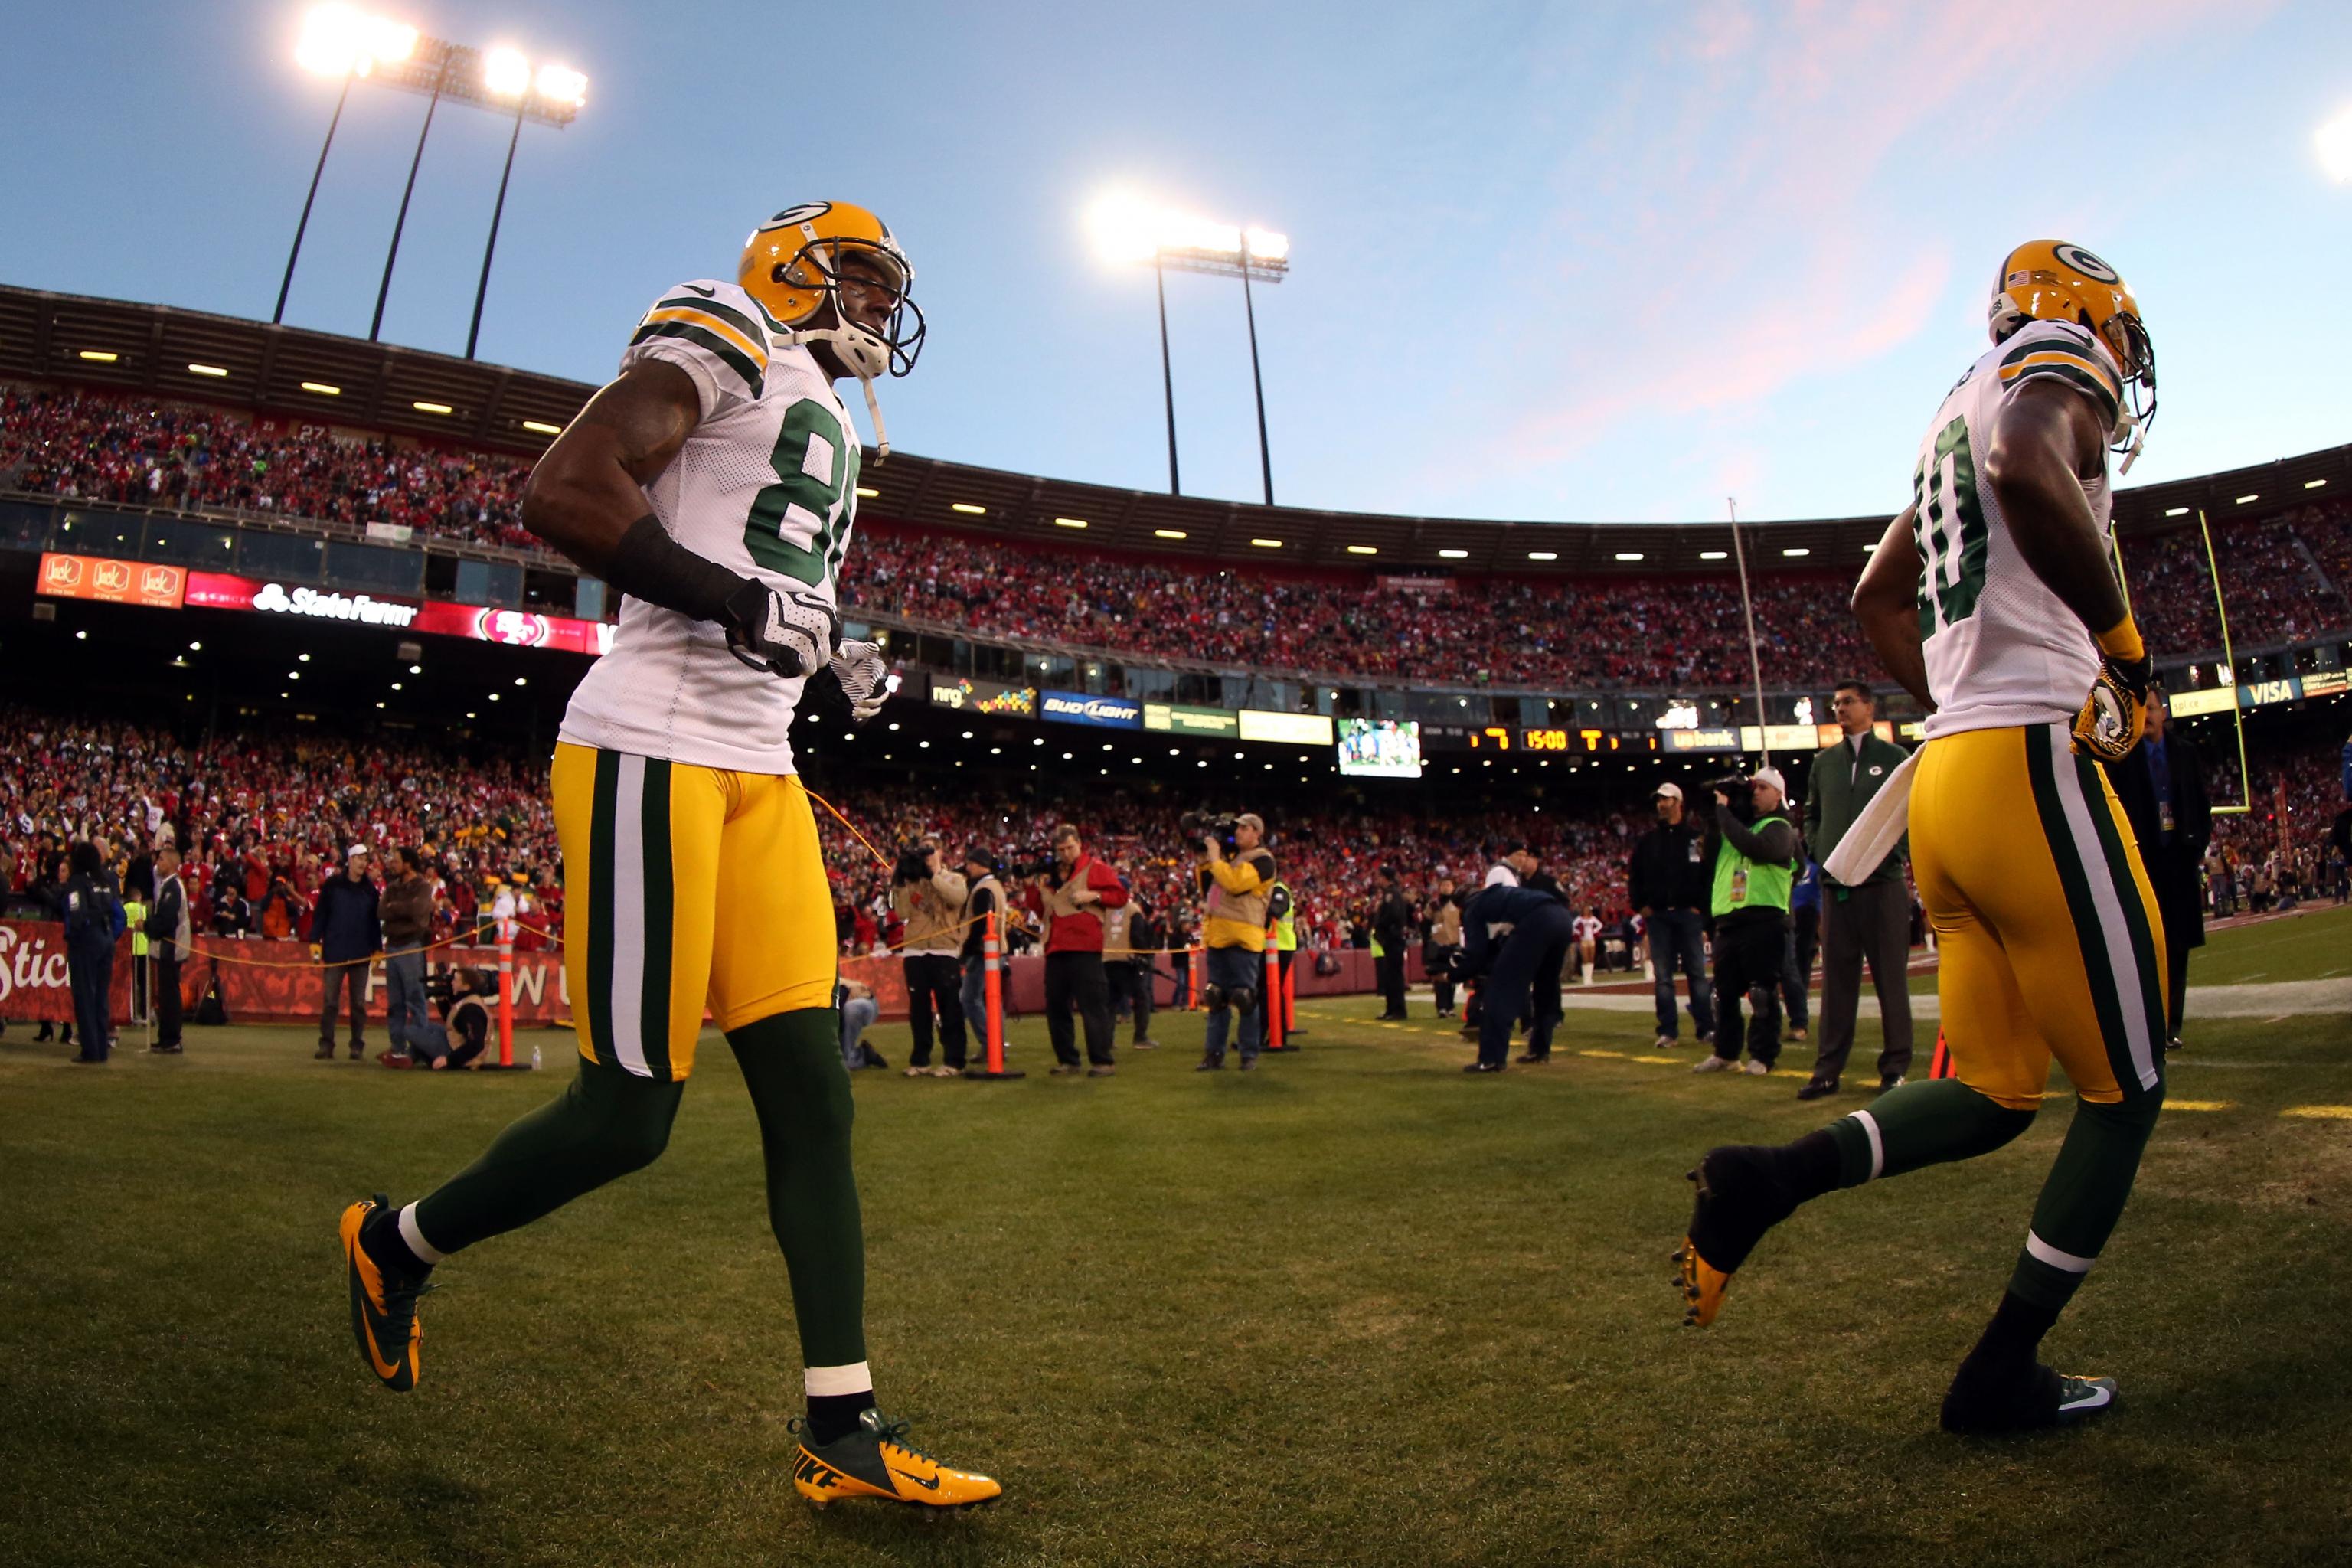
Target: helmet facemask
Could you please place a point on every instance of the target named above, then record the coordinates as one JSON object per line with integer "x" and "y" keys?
{"x": 864, "y": 352}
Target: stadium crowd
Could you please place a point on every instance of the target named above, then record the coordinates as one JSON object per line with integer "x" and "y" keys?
{"x": 2285, "y": 575}
{"x": 101, "y": 446}
{"x": 264, "y": 821}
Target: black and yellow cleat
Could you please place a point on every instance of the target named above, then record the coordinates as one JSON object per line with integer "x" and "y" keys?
{"x": 384, "y": 1301}
{"x": 1740, "y": 1196}
{"x": 875, "y": 1460}
{"x": 1981, "y": 1405}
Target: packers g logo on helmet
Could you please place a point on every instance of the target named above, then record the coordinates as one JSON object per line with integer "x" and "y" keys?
{"x": 2054, "y": 280}
{"x": 792, "y": 264}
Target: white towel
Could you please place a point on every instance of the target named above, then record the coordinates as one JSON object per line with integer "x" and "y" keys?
{"x": 1876, "y": 831}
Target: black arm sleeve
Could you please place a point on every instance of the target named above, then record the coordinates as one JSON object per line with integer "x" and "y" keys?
{"x": 649, "y": 565}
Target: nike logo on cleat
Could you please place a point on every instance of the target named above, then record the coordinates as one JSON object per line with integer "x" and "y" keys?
{"x": 930, "y": 1485}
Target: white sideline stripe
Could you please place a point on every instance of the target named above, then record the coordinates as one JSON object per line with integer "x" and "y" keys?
{"x": 2088, "y": 853}
{"x": 415, "y": 1237}
{"x": 824, "y": 1381}
{"x": 1877, "y": 1144}
{"x": 2048, "y": 1254}
{"x": 627, "y": 1006}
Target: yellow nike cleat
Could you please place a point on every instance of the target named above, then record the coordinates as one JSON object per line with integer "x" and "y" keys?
{"x": 1740, "y": 1196}
{"x": 875, "y": 1460}
{"x": 1703, "y": 1285}
{"x": 383, "y": 1302}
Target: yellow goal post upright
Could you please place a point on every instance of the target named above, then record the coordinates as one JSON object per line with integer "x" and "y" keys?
{"x": 2229, "y": 658}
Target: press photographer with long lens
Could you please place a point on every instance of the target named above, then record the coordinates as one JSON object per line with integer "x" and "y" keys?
{"x": 1237, "y": 875}
{"x": 929, "y": 897}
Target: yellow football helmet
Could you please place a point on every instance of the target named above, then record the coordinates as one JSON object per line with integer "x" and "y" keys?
{"x": 792, "y": 264}
{"x": 2052, "y": 281}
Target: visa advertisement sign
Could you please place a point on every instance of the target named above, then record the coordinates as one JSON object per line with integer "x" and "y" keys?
{"x": 1103, "y": 712}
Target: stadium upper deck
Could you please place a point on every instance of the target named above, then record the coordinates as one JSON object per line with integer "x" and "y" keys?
{"x": 345, "y": 434}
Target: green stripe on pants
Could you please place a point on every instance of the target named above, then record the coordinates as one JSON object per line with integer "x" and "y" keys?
{"x": 599, "y": 971}
{"x": 654, "y": 998}
{"x": 2081, "y": 905}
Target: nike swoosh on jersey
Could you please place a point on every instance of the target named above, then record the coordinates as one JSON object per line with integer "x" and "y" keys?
{"x": 698, "y": 288}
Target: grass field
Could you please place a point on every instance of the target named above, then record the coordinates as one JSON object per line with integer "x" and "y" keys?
{"x": 1351, "y": 1308}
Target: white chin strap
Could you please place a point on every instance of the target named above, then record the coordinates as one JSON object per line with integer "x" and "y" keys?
{"x": 2128, "y": 425}
{"x": 860, "y": 351}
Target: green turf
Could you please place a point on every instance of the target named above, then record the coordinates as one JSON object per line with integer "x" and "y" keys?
{"x": 1352, "y": 1308}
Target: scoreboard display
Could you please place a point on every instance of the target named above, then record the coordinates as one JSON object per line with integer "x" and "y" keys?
{"x": 1562, "y": 742}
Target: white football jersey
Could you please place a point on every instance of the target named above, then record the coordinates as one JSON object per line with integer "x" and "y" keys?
{"x": 766, "y": 485}
{"x": 2001, "y": 648}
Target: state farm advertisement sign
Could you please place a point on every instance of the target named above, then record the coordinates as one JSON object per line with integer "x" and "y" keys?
{"x": 519, "y": 628}
{"x": 109, "y": 582}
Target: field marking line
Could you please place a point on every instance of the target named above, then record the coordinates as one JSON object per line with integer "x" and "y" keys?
{"x": 1619, "y": 1055}
{"x": 2320, "y": 1112}
{"x": 1666, "y": 1061}
{"x": 2171, "y": 1104}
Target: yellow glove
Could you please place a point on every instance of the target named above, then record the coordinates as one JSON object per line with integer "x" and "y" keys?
{"x": 2113, "y": 715}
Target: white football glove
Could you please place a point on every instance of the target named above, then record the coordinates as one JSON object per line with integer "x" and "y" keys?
{"x": 863, "y": 675}
{"x": 787, "y": 634}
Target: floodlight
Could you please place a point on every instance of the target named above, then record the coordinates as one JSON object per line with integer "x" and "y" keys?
{"x": 561, "y": 84}
{"x": 333, "y": 41}
{"x": 506, "y": 73}
{"x": 2335, "y": 140}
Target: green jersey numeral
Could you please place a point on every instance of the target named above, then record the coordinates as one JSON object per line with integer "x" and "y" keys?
{"x": 824, "y": 498}
{"x": 1947, "y": 523}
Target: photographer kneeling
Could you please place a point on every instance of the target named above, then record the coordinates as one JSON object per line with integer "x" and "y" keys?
{"x": 1235, "y": 860}
{"x": 930, "y": 899}
{"x": 1517, "y": 938}
{"x": 1754, "y": 869}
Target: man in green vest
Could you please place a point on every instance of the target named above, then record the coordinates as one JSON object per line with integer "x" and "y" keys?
{"x": 1286, "y": 939}
{"x": 135, "y": 910}
{"x": 1871, "y": 919}
{"x": 1755, "y": 865}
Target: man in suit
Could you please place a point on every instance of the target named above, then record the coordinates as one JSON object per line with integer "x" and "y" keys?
{"x": 1870, "y": 919}
{"x": 2162, "y": 787}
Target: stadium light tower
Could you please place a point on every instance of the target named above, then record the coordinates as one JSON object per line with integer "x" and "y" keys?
{"x": 2335, "y": 140}
{"x": 1128, "y": 230}
{"x": 340, "y": 41}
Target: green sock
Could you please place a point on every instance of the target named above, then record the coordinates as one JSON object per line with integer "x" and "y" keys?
{"x": 608, "y": 1124}
{"x": 2084, "y": 1197}
{"x": 791, "y": 1064}
{"x": 1923, "y": 1123}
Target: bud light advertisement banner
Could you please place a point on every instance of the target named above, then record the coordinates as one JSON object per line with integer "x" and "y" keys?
{"x": 1104, "y": 713}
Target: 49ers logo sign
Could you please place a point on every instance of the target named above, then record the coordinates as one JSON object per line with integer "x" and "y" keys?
{"x": 517, "y": 628}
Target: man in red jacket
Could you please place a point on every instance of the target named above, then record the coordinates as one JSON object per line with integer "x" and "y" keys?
{"x": 1073, "y": 895}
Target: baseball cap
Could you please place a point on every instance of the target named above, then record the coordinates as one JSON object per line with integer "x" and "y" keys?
{"x": 355, "y": 851}
{"x": 1250, "y": 819}
{"x": 1668, "y": 792}
{"x": 1771, "y": 776}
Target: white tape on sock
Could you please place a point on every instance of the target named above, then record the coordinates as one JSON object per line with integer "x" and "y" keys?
{"x": 826, "y": 1380}
{"x": 415, "y": 1237}
{"x": 1877, "y": 1144}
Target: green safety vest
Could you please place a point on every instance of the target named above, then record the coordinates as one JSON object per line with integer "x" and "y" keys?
{"x": 1286, "y": 930}
{"x": 1744, "y": 884}
{"x": 134, "y": 913}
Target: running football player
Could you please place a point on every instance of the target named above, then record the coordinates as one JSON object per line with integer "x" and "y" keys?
{"x": 1993, "y": 600}
{"x": 714, "y": 482}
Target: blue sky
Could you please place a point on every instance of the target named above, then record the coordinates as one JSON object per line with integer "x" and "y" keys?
{"x": 1592, "y": 262}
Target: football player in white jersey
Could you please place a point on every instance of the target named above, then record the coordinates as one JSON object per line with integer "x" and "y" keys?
{"x": 1994, "y": 600}
{"x": 714, "y": 483}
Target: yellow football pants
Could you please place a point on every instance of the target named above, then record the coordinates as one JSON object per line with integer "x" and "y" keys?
{"x": 2050, "y": 941}
{"x": 683, "y": 886}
